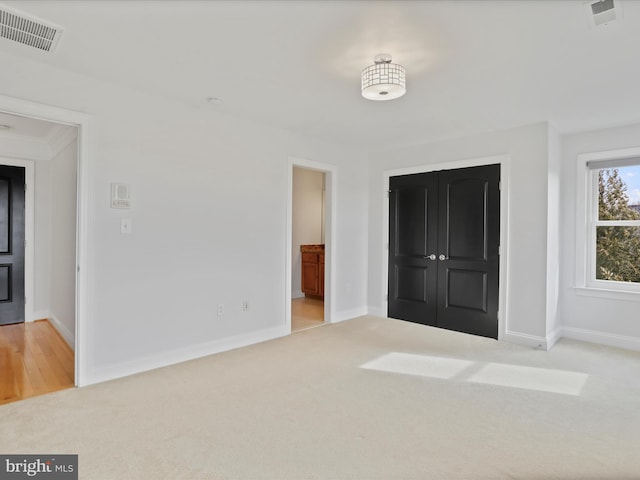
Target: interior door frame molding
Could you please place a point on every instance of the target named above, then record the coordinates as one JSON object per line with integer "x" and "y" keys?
{"x": 82, "y": 121}
{"x": 504, "y": 161}
{"x": 331, "y": 195}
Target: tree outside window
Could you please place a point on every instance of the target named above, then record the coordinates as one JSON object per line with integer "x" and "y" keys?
{"x": 617, "y": 225}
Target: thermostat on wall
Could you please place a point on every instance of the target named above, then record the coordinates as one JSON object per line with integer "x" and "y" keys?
{"x": 120, "y": 195}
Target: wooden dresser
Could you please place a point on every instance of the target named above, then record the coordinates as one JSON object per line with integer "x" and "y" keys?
{"x": 312, "y": 270}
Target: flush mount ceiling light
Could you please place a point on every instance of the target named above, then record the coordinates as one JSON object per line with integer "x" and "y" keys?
{"x": 383, "y": 80}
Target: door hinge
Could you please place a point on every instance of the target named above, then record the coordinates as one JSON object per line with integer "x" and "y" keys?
{"x": 500, "y": 185}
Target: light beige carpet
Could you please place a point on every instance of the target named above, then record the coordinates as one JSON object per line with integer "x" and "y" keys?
{"x": 302, "y": 407}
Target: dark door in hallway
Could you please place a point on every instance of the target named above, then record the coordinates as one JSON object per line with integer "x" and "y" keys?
{"x": 12, "y": 236}
{"x": 444, "y": 235}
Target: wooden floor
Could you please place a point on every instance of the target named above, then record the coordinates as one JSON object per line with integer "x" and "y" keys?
{"x": 306, "y": 313}
{"x": 34, "y": 359}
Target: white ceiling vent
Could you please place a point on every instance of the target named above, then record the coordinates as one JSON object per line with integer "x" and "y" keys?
{"x": 28, "y": 30}
{"x": 603, "y": 12}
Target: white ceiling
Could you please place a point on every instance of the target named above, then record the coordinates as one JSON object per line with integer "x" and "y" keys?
{"x": 472, "y": 66}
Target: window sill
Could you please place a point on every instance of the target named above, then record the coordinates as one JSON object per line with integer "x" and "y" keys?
{"x": 606, "y": 293}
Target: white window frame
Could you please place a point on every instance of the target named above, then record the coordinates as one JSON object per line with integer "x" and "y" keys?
{"x": 586, "y": 223}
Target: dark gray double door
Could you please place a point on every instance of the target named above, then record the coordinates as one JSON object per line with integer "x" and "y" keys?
{"x": 444, "y": 237}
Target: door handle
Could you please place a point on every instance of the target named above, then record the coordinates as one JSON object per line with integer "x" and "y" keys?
{"x": 431, "y": 257}
{"x": 443, "y": 257}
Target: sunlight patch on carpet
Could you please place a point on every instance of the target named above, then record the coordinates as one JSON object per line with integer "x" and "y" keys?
{"x": 530, "y": 378}
{"x": 499, "y": 374}
{"x": 422, "y": 365}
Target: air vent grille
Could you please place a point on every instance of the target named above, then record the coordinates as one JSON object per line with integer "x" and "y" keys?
{"x": 603, "y": 12}
{"x": 602, "y": 6}
{"x": 30, "y": 32}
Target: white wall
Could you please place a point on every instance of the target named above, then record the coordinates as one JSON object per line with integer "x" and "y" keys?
{"x": 209, "y": 196}
{"x": 307, "y": 219}
{"x": 63, "y": 202}
{"x": 587, "y": 317}
{"x": 527, "y": 177}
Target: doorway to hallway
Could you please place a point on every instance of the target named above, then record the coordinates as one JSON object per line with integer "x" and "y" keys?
{"x": 41, "y": 353}
{"x": 38, "y": 282}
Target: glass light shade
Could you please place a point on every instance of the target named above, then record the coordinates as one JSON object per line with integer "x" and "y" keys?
{"x": 383, "y": 81}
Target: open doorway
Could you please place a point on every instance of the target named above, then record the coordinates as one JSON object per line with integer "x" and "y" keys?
{"x": 308, "y": 227}
{"x": 37, "y": 336}
{"x": 311, "y": 232}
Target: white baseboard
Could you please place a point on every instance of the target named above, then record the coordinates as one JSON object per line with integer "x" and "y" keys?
{"x": 349, "y": 314}
{"x": 526, "y": 340}
{"x": 68, "y": 335}
{"x": 610, "y": 339}
{"x": 298, "y": 294}
{"x": 182, "y": 355}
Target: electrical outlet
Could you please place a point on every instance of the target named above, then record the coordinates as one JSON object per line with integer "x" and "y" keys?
{"x": 220, "y": 309}
{"x": 245, "y": 305}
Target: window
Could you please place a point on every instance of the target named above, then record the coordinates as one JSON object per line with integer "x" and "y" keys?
{"x": 613, "y": 223}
